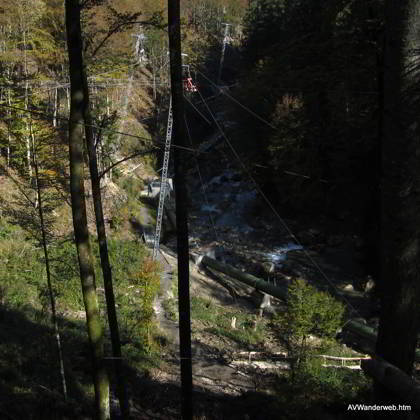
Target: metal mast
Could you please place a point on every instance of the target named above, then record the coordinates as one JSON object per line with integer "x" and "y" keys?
{"x": 222, "y": 58}
{"x": 163, "y": 182}
{"x": 139, "y": 58}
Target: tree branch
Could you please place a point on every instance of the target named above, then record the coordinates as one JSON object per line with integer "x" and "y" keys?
{"x": 142, "y": 153}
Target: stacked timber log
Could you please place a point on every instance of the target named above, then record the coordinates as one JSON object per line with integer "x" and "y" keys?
{"x": 356, "y": 327}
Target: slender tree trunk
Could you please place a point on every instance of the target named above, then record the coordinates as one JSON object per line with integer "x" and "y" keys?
{"x": 181, "y": 199}
{"x": 103, "y": 250}
{"x": 9, "y": 113}
{"x": 47, "y": 269}
{"x": 108, "y": 112}
{"x": 68, "y": 99}
{"x": 28, "y": 137}
{"x": 55, "y": 107}
{"x": 81, "y": 233}
{"x": 400, "y": 291}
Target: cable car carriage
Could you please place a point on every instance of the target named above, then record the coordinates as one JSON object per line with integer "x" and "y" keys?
{"x": 187, "y": 80}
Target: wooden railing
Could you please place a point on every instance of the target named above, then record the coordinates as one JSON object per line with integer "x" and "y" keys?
{"x": 355, "y": 362}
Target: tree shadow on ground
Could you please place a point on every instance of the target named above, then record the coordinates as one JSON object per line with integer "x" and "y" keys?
{"x": 30, "y": 386}
{"x": 160, "y": 397}
{"x": 30, "y": 383}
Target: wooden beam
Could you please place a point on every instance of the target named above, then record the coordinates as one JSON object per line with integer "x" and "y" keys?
{"x": 354, "y": 326}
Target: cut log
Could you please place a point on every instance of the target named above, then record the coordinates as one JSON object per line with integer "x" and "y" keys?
{"x": 263, "y": 365}
{"x": 361, "y": 329}
{"x": 395, "y": 380}
{"x": 354, "y": 326}
{"x": 368, "y": 333}
{"x": 249, "y": 279}
{"x": 232, "y": 291}
{"x": 260, "y": 355}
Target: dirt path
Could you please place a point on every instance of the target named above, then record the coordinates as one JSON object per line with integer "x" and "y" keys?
{"x": 212, "y": 367}
{"x": 169, "y": 327}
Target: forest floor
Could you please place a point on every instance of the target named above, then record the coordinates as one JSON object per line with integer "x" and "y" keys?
{"x": 227, "y": 223}
{"x": 228, "y": 383}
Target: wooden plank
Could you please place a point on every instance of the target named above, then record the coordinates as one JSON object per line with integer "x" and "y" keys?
{"x": 354, "y": 367}
{"x": 325, "y": 356}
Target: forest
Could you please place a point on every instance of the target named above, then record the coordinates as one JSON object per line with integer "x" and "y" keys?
{"x": 209, "y": 209}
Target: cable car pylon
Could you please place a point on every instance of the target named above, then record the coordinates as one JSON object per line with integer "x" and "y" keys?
{"x": 188, "y": 86}
{"x": 163, "y": 182}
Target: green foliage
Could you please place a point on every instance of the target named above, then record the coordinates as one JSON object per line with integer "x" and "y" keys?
{"x": 132, "y": 186}
{"x": 313, "y": 72}
{"x": 308, "y": 312}
{"x": 315, "y": 387}
{"x": 27, "y": 349}
{"x": 170, "y": 305}
{"x": 263, "y": 23}
{"x": 21, "y": 269}
{"x": 137, "y": 283}
{"x": 248, "y": 332}
{"x": 65, "y": 269}
{"x": 311, "y": 384}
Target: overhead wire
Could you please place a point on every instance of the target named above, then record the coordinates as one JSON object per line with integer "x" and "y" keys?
{"x": 196, "y": 109}
{"x": 145, "y": 140}
{"x": 223, "y": 92}
{"x": 239, "y": 103}
{"x": 203, "y": 187}
{"x": 282, "y": 221}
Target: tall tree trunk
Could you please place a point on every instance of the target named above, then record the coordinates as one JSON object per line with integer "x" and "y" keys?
{"x": 81, "y": 233}
{"x": 400, "y": 291}
{"x": 28, "y": 137}
{"x": 181, "y": 197}
{"x": 103, "y": 251}
{"x": 54, "y": 319}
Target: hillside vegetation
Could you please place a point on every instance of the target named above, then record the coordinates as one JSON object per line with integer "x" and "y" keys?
{"x": 288, "y": 146}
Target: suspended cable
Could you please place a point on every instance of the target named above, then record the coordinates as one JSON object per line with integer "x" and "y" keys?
{"x": 223, "y": 91}
{"x": 145, "y": 140}
{"x": 282, "y": 221}
{"x": 195, "y": 108}
{"x": 203, "y": 188}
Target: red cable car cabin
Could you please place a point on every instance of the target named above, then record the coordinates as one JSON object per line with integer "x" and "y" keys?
{"x": 187, "y": 80}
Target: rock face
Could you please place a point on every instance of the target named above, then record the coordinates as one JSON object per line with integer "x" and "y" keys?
{"x": 348, "y": 288}
{"x": 369, "y": 285}
{"x": 215, "y": 251}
